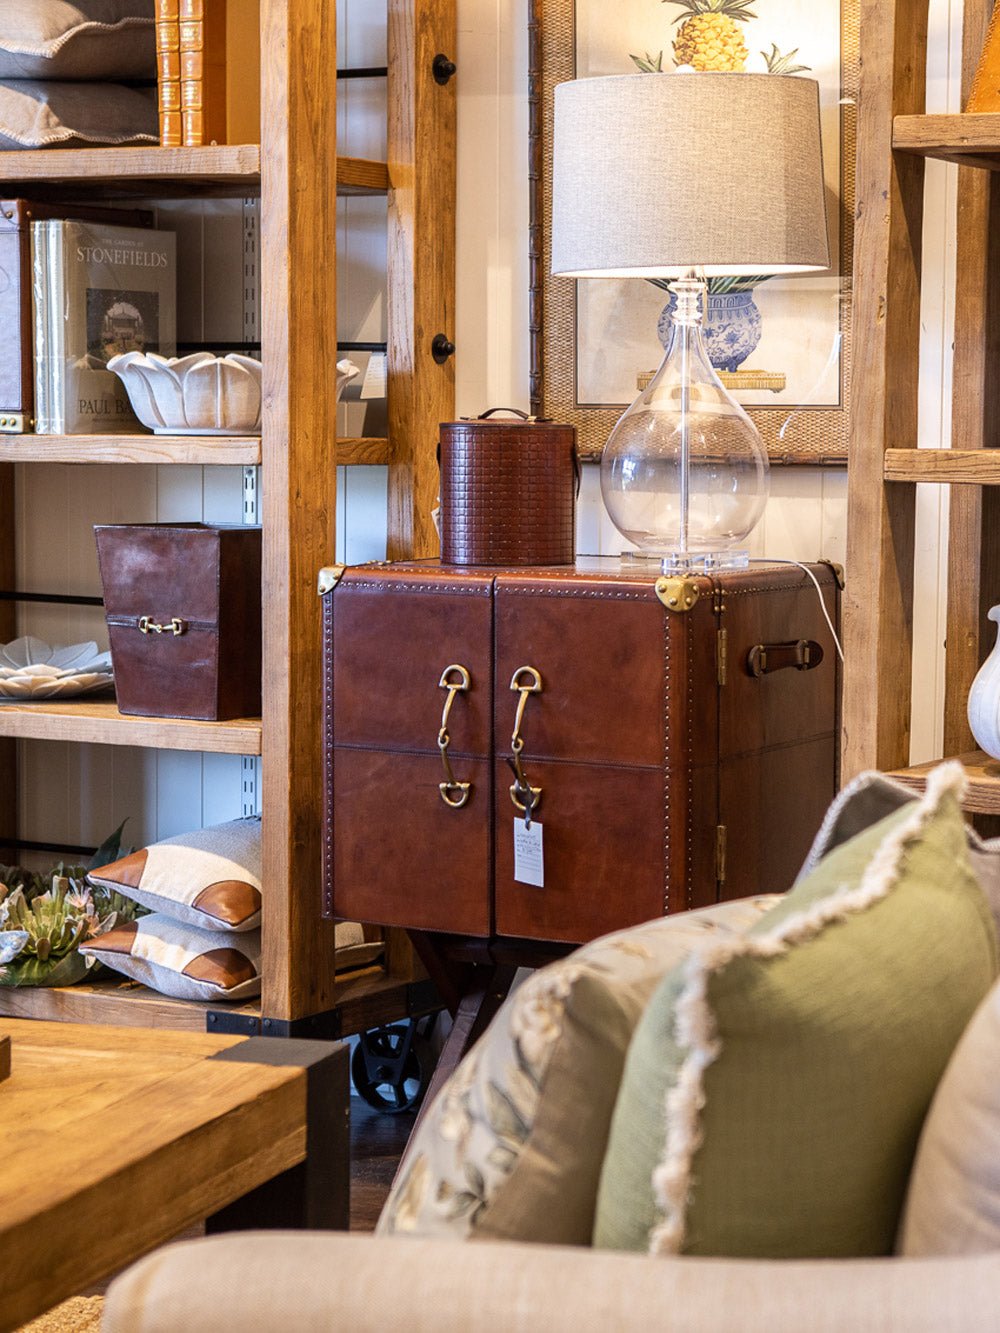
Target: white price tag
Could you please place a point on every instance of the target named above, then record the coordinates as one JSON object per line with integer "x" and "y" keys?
{"x": 373, "y": 384}
{"x": 528, "y": 868}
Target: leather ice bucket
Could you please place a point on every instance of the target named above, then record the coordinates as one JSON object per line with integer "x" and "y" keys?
{"x": 508, "y": 491}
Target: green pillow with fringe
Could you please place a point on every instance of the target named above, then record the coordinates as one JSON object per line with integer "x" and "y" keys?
{"x": 776, "y": 1084}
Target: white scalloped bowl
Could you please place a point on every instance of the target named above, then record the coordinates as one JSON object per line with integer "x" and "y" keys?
{"x": 199, "y": 394}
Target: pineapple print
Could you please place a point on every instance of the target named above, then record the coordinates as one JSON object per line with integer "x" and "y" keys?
{"x": 710, "y": 36}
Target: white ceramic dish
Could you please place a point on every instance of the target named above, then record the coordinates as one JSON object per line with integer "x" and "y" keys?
{"x": 200, "y": 394}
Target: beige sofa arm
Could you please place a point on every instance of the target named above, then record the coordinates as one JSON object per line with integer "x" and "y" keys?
{"x": 316, "y": 1281}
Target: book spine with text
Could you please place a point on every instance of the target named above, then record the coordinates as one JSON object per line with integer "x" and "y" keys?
{"x": 41, "y": 336}
{"x": 203, "y": 71}
{"x": 168, "y": 72}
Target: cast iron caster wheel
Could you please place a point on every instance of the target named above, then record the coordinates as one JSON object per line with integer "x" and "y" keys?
{"x": 391, "y": 1068}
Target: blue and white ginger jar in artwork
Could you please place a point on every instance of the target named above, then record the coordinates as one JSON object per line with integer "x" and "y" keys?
{"x": 730, "y": 328}
{"x": 984, "y": 699}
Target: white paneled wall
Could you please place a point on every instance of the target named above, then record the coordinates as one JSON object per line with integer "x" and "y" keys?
{"x": 76, "y": 794}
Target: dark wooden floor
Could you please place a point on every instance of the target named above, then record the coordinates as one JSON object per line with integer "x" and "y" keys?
{"x": 377, "y": 1143}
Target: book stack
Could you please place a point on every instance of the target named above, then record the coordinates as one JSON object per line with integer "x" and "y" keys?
{"x": 208, "y": 71}
{"x": 168, "y": 72}
{"x": 98, "y": 290}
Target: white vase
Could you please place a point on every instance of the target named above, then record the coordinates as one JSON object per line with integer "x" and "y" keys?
{"x": 984, "y": 699}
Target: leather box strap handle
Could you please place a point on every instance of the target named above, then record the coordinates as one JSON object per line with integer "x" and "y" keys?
{"x": 802, "y": 654}
{"x": 514, "y": 411}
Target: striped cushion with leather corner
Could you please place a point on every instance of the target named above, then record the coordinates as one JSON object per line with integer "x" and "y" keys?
{"x": 209, "y": 878}
{"x": 180, "y": 960}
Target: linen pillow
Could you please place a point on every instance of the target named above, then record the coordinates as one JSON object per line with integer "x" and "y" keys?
{"x": 78, "y": 39}
{"x": 953, "y": 1202}
{"x": 777, "y": 1082}
{"x": 512, "y": 1145}
{"x": 62, "y": 115}
{"x": 209, "y": 878}
{"x": 179, "y": 960}
{"x": 872, "y": 796}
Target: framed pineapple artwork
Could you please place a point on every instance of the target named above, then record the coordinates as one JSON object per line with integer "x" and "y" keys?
{"x": 596, "y": 341}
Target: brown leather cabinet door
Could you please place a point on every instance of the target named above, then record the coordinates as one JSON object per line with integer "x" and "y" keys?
{"x": 394, "y": 852}
{"x": 602, "y": 739}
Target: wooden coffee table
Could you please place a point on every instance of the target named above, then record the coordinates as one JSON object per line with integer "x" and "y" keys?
{"x": 116, "y": 1139}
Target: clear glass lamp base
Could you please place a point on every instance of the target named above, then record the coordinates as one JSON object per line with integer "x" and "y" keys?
{"x": 688, "y": 562}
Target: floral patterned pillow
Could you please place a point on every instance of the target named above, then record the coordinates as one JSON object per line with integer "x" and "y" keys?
{"x": 511, "y": 1148}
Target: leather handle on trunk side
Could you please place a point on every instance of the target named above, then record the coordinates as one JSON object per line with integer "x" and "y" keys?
{"x": 802, "y": 654}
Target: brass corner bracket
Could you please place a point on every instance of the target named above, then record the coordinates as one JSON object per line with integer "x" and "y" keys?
{"x": 676, "y": 594}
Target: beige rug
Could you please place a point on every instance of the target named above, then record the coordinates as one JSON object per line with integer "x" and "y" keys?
{"x": 80, "y": 1314}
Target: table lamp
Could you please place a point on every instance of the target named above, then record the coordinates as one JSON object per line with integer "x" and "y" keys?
{"x": 686, "y": 176}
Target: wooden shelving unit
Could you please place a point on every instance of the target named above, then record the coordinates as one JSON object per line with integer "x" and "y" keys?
{"x": 895, "y": 136}
{"x": 298, "y": 176}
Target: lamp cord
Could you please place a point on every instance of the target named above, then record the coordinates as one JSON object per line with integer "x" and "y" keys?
{"x": 776, "y": 560}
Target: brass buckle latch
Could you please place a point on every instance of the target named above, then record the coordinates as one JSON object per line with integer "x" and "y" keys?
{"x": 524, "y": 796}
{"x": 453, "y": 792}
{"x": 147, "y": 625}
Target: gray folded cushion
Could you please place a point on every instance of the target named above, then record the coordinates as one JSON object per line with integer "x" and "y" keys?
{"x": 78, "y": 39}
{"x": 66, "y": 115}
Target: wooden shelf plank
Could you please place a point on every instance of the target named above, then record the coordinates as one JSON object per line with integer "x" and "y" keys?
{"x": 360, "y": 175}
{"x": 362, "y": 449}
{"x": 366, "y": 999}
{"x": 113, "y": 1001}
{"x": 159, "y": 449}
{"x": 209, "y": 450}
{"x": 972, "y": 140}
{"x": 163, "y": 172}
{"x": 973, "y": 467}
{"x": 983, "y": 794}
{"x": 100, "y": 723}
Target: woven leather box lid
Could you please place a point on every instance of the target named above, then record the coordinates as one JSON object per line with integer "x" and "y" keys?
{"x": 508, "y": 492}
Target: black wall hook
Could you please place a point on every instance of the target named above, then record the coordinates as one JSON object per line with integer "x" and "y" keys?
{"x": 441, "y": 348}
{"x": 442, "y": 68}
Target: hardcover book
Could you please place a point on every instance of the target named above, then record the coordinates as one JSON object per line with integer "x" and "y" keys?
{"x": 98, "y": 290}
{"x": 203, "y": 71}
{"x": 219, "y": 48}
{"x": 168, "y": 72}
{"x": 17, "y": 368}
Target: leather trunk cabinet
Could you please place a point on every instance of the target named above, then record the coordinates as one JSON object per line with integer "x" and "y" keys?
{"x": 681, "y": 755}
{"x": 182, "y": 605}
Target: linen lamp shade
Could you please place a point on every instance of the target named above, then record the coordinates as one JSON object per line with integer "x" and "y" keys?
{"x": 658, "y": 175}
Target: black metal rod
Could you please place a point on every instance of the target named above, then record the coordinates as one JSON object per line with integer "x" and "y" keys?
{"x": 245, "y": 349}
{"x": 8, "y": 595}
{"x": 362, "y": 347}
{"x": 24, "y": 846}
{"x": 364, "y": 72}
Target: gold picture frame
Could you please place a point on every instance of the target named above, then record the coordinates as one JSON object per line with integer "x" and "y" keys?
{"x": 801, "y": 428}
